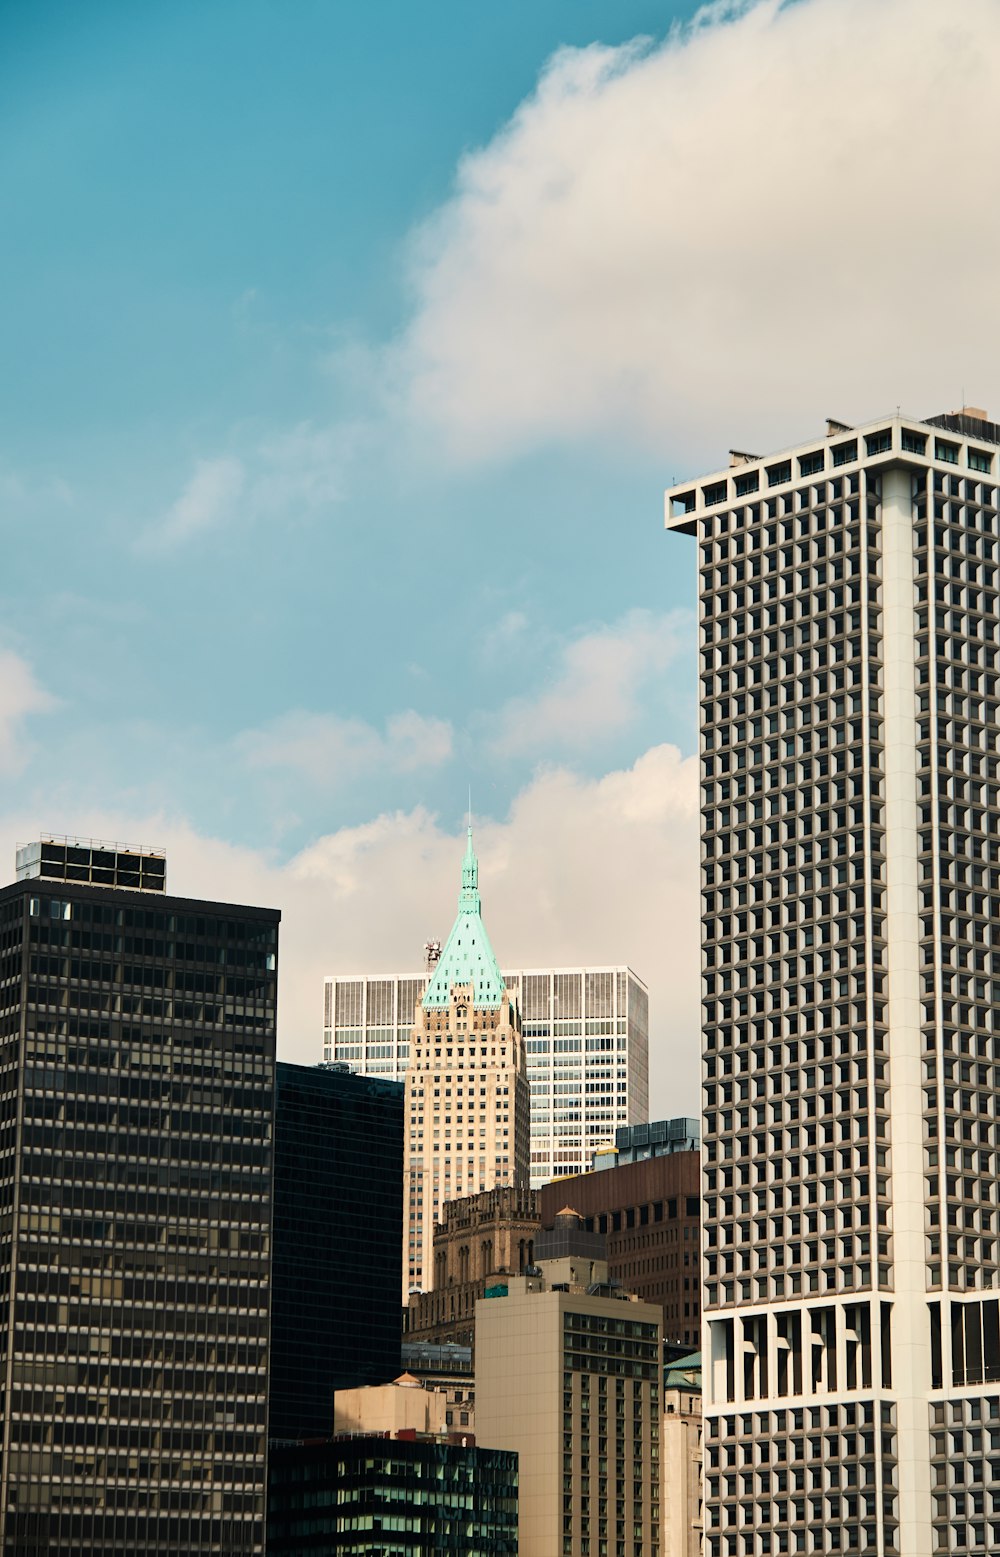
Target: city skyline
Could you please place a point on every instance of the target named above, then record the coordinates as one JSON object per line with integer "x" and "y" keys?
{"x": 261, "y": 398}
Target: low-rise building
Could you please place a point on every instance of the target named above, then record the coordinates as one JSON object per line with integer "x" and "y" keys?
{"x": 405, "y": 1494}
{"x": 405, "y": 1405}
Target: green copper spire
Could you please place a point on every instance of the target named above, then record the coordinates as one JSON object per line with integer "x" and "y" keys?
{"x": 468, "y": 956}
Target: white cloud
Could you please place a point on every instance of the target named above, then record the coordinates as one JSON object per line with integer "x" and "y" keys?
{"x": 330, "y": 750}
{"x": 289, "y": 473}
{"x": 207, "y": 501}
{"x": 595, "y": 691}
{"x": 581, "y": 871}
{"x": 738, "y": 228}
{"x": 20, "y": 697}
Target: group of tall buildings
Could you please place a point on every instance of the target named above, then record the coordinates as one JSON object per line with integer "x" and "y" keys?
{"x": 202, "y": 1252}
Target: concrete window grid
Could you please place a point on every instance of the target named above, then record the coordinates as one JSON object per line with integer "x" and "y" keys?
{"x": 959, "y": 775}
{"x": 965, "y": 1474}
{"x": 933, "y": 811}
{"x": 794, "y": 837}
{"x": 822, "y": 1475}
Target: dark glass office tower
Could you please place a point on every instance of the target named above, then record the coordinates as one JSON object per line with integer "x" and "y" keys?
{"x": 338, "y": 1238}
{"x": 136, "y": 1088}
{"x": 376, "y": 1496}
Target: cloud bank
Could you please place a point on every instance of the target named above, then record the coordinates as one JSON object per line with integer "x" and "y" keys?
{"x": 739, "y": 229}
{"x": 582, "y": 870}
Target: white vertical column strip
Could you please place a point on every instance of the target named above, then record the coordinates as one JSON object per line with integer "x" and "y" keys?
{"x": 910, "y": 1323}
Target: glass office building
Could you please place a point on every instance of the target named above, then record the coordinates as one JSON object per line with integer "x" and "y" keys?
{"x": 586, "y": 1040}
{"x": 338, "y": 1241}
{"x": 850, "y": 750}
{"x": 396, "y": 1497}
{"x": 136, "y": 1082}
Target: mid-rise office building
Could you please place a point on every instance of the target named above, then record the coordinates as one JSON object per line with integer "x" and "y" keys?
{"x": 586, "y": 1040}
{"x": 650, "y": 1215}
{"x": 466, "y": 1085}
{"x": 392, "y": 1495}
{"x": 337, "y": 1242}
{"x": 137, "y": 1039}
{"x": 570, "y": 1379}
{"x": 850, "y": 707}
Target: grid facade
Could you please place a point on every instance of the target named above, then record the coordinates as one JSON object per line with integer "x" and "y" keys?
{"x": 337, "y": 1244}
{"x": 850, "y": 709}
{"x": 586, "y": 1039}
{"x": 136, "y": 1088}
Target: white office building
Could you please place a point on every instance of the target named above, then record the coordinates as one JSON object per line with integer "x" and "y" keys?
{"x": 586, "y": 1037}
{"x": 850, "y": 720}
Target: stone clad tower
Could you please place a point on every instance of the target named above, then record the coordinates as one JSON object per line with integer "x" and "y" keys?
{"x": 467, "y": 1095}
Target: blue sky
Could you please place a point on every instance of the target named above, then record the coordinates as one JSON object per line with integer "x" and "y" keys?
{"x": 348, "y": 352}
{"x": 209, "y": 204}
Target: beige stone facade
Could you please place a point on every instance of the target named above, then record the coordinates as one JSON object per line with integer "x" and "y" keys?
{"x": 681, "y": 1462}
{"x": 404, "y": 1405}
{"x": 467, "y": 1102}
{"x": 572, "y": 1382}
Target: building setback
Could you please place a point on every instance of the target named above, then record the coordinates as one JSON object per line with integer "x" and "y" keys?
{"x": 337, "y": 1245}
{"x": 850, "y": 709}
{"x": 651, "y": 1214}
{"x": 136, "y": 1084}
{"x": 586, "y": 1040}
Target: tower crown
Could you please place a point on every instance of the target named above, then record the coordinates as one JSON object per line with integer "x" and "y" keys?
{"x": 468, "y": 957}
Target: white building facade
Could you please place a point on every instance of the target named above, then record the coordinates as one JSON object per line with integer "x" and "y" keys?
{"x": 586, "y": 1039}
{"x": 850, "y": 719}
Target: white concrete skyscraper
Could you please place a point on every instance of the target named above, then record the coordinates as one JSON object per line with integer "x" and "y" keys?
{"x": 850, "y": 717}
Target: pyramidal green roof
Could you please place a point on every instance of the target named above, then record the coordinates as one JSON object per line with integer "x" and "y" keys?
{"x": 468, "y": 956}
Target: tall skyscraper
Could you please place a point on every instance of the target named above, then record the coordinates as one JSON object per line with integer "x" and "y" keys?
{"x": 586, "y": 1040}
{"x": 467, "y": 1094}
{"x": 336, "y": 1247}
{"x": 850, "y": 705}
{"x": 136, "y": 1084}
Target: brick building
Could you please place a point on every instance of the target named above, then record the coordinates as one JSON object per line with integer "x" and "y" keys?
{"x": 650, "y": 1213}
